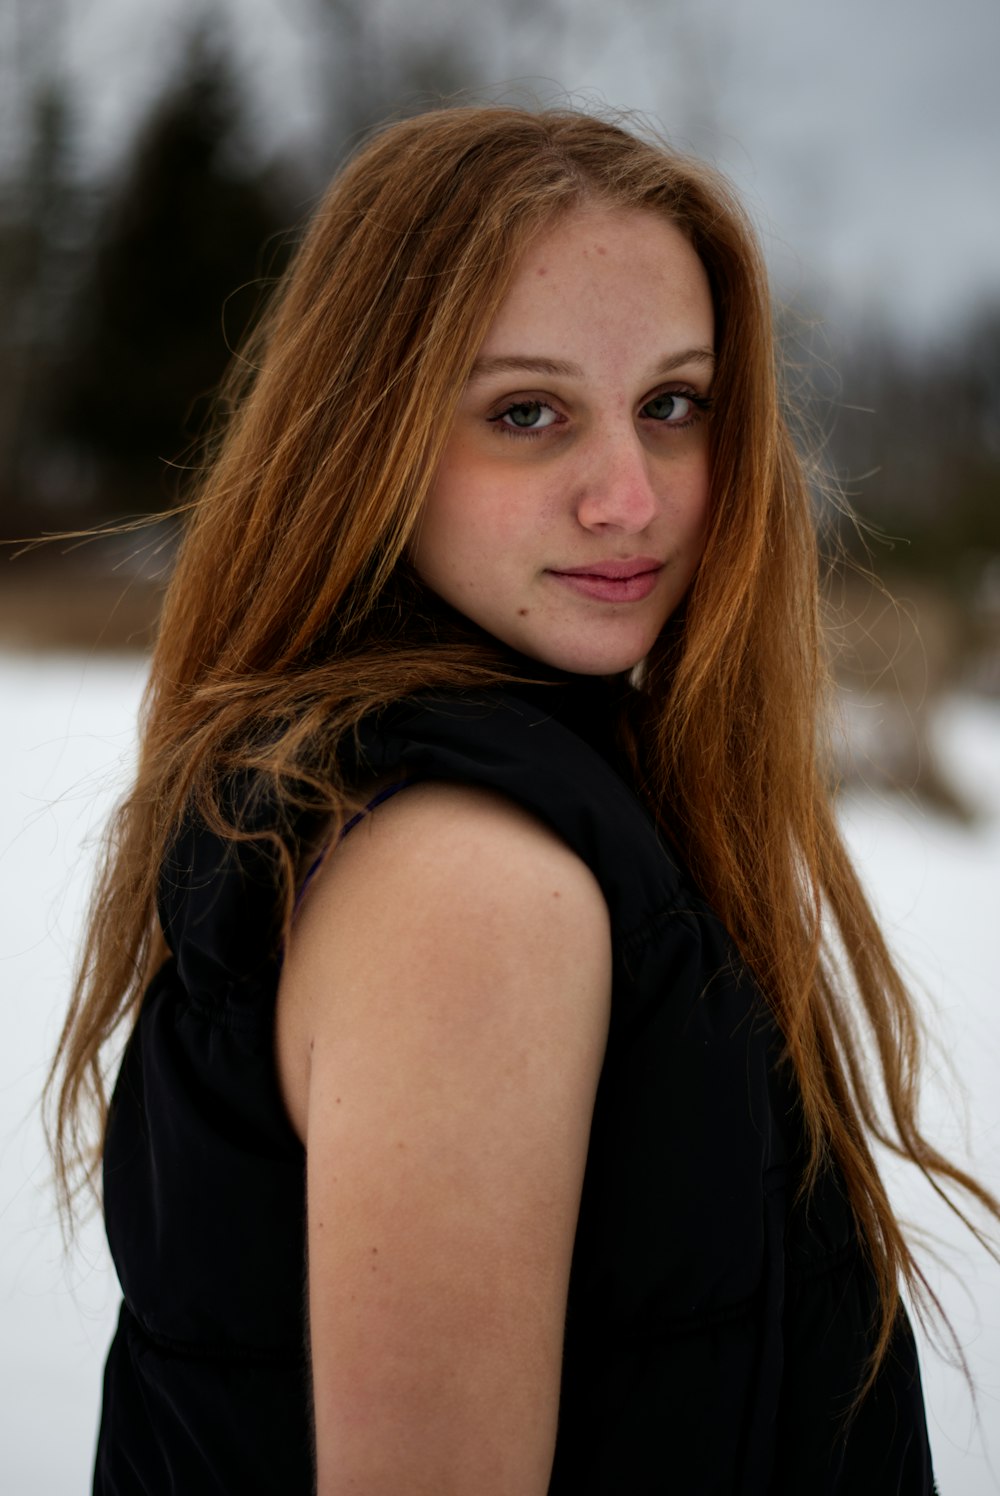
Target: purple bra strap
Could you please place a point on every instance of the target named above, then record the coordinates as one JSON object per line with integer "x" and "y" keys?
{"x": 317, "y": 863}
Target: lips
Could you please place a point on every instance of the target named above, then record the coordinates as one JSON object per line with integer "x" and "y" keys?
{"x": 611, "y": 581}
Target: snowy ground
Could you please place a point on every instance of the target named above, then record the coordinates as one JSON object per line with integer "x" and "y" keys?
{"x": 68, "y": 731}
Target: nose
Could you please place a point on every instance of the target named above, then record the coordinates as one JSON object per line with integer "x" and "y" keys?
{"x": 617, "y": 491}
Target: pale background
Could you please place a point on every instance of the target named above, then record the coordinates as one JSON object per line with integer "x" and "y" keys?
{"x": 865, "y": 138}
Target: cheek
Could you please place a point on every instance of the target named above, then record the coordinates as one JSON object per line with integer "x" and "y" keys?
{"x": 701, "y": 519}
{"x": 448, "y": 510}
{"x": 483, "y": 514}
{"x": 687, "y": 499}
{"x": 699, "y": 501}
{"x": 459, "y": 539}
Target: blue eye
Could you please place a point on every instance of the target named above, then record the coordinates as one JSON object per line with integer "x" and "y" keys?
{"x": 672, "y": 408}
{"x": 526, "y": 415}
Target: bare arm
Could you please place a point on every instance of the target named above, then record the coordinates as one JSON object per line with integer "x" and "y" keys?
{"x": 441, "y": 1025}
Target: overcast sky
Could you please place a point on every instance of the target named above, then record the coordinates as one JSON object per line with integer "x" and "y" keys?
{"x": 865, "y": 135}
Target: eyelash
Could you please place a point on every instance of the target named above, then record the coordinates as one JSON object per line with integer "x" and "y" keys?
{"x": 701, "y": 404}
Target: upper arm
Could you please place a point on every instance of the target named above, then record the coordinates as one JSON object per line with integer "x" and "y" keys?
{"x": 441, "y": 1026}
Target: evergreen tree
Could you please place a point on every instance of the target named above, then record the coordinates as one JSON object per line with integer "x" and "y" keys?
{"x": 42, "y": 209}
{"x": 189, "y": 234}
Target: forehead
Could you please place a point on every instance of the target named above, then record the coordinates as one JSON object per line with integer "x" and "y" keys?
{"x": 605, "y": 274}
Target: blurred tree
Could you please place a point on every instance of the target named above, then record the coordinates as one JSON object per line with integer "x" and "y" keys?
{"x": 917, "y": 441}
{"x": 191, "y": 227}
{"x": 43, "y": 210}
{"x": 190, "y": 237}
{"x": 373, "y": 61}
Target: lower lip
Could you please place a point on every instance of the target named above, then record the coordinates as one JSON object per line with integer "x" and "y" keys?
{"x": 609, "y": 589}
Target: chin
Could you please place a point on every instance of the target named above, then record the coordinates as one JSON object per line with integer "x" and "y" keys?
{"x": 578, "y": 660}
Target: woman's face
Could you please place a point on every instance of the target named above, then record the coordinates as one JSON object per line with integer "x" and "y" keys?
{"x": 568, "y": 514}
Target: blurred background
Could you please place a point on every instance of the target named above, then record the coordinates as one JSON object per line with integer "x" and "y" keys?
{"x": 157, "y": 165}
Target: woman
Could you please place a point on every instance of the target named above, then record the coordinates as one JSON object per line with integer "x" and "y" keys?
{"x": 495, "y": 1116}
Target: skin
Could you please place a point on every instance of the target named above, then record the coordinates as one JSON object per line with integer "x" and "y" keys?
{"x": 441, "y": 1024}
{"x": 443, "y": 1007}
{"x": 581, "y": 439}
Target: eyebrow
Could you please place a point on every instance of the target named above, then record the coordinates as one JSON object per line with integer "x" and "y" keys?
{"x": 518, "y": 363}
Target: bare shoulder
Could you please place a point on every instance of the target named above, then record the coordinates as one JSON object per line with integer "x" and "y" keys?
{"x": 441, "y": 1026}
{"x": 457, "y": 886}
{"x": 471, "y": 843}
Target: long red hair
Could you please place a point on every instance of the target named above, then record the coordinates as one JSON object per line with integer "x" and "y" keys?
{"x": 292, "y": 612}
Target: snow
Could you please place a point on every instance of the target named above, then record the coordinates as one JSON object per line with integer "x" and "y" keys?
{"x": 65, "y": 753}
{"x": 67, "y": 744}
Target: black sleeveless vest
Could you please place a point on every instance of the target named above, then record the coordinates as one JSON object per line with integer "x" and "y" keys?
{"x": 717, "y": 1329}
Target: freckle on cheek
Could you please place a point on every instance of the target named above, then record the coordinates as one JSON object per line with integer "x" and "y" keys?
{"x": 522, "y": 612}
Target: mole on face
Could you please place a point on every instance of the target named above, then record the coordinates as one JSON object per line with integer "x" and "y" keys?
{"x": 628, "y": 296}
